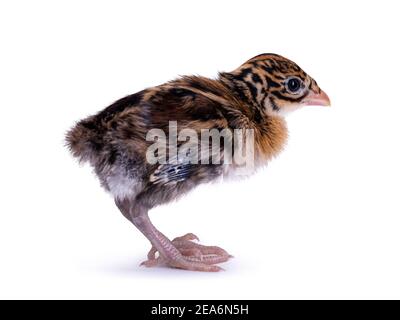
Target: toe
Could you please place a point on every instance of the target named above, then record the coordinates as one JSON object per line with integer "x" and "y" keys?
{"x": 213, "y": 250}
{"x": 152, "y": 253}
{"x": 194, "y": 266}
{"x": 207, "y": 259}
{"x": 150, "y": 263}
{"x": 191, "y": 252}
{"x": 186, "y": 237}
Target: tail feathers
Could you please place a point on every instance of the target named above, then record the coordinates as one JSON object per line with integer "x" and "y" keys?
{"x": 83, "y": 142}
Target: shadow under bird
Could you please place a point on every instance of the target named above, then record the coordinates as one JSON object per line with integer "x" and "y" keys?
{"x": 255, "y": 96}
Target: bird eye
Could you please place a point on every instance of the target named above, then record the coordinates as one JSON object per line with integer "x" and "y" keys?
{"x": 293, "y": 85}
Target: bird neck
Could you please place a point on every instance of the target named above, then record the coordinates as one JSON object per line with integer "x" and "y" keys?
{"x": 238, "y": 86}
{"x": 270, "y": 131}
{"x": 246, "y": 91}
{"x": 270, "y": 137}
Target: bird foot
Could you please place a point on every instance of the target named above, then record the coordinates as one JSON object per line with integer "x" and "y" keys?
{"x": 193, "y": 256}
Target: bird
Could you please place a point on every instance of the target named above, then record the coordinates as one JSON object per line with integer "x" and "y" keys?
{"x": 255, "y": 97}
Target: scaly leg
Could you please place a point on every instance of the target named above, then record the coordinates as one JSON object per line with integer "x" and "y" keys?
{"x": 181, "y": 253}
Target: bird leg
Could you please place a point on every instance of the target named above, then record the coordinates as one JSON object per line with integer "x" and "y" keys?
{"x": 180, "y": 253}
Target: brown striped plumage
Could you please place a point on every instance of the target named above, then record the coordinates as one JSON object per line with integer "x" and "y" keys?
{"x": 254, "y": 96}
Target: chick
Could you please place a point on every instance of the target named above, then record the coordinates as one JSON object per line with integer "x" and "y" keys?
{"x": 116, "y": 142}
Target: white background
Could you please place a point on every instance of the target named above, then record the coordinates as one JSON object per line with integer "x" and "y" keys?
{"x": 321, "y": 221}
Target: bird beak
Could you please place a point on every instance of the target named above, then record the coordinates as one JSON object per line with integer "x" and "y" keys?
{"x": 317, "y": 99}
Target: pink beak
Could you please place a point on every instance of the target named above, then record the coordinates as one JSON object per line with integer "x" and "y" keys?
{"x": 317, "y": 99}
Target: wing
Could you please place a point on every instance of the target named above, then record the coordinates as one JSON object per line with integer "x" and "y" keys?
{"x": 172, "y": 173}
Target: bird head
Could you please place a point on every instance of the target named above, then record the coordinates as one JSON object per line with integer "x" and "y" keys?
{"x": 275, "y": 85}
